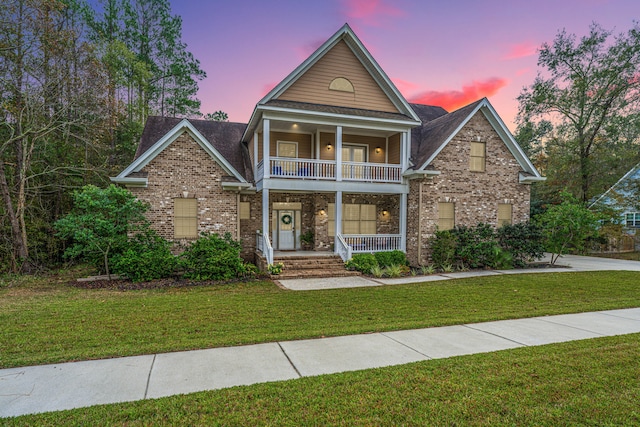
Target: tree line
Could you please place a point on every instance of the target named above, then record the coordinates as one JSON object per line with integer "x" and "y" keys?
{"x": 77, "y": 82}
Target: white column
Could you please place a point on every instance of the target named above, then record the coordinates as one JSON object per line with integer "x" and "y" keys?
{"x": 265, "y": 211}
{"x": 403, "y": 222}
{"x": 338, "y": 154}
{"x": 255, "y": 152}
{"x": 338, "y": 217}
{"x": 266, "y": 145}
{"x": 404, "y": 151}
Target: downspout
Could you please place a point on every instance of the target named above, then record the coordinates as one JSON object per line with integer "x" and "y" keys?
{"x": 238, "y": 216}
{"x": 420, "y": 224}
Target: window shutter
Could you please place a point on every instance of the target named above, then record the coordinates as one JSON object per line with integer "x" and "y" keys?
{"x": 504, "y": 214}
{"x": 245, "y": 210}
{"x": 478, "y": 157}
{"x": 446, "y": 215}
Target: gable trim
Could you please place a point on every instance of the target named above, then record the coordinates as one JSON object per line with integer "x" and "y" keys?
{"x": 505, "y": 135}
{"x": 184, "y": 126}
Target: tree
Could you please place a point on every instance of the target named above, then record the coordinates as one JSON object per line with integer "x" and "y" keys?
{"x": 101, "y": 223}
{"x": 567, "y": 227}
{"x": 589, "y": 91}
{"x": 218, "y": 116}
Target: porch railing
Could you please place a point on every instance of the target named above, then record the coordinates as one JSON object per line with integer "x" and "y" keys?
{"x": 342, "y": 248}
{"x": 264, "y": 245}
{"x": 372, "y": 242}
{"x": 377, "y": 172}
{"x": 284, "y": 167}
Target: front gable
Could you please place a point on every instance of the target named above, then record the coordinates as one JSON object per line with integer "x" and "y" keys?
{"x": 438, "y": 134}
{"x": 338, "y": 78}
{"x": 133, "y": 175}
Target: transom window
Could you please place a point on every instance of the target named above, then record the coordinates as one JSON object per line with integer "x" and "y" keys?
{"x": 185, "y": 218}
{"x": 477, "y": 161}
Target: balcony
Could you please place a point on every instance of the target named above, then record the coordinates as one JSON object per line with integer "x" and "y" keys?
{"x": 292, "y": 168}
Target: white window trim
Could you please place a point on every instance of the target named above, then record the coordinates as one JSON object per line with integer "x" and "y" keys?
{"x": 286, "y": 142}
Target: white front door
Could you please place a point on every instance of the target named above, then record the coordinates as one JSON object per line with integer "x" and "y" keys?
{"x": 286, "y": 230}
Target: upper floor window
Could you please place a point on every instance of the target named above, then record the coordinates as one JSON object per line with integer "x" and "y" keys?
{"x": 478, "y": 157}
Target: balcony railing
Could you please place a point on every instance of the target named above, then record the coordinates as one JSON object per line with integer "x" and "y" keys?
{"x": 283, "y": 167}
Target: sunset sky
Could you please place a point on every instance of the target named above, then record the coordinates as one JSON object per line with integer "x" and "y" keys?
{"x": 446, "y": 53}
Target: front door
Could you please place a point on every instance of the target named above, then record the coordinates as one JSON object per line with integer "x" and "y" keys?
{"x": 286, "y": 230}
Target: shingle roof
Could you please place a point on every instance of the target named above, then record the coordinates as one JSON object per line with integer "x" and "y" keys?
{"x": 337, "y": 110}
{"x": 429, "y": 137}
{"x": 223, "y": 136}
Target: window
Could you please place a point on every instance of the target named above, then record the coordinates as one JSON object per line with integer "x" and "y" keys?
{"x": 632, "y": 219}
{"x": 245, "y": 210}
{"x": 446, "y": 215}
{"x": 356, "y": 219}
{"x": 478, "y": 157}
{"x": 185, "y": 218}
{"x": 504, "y": 214}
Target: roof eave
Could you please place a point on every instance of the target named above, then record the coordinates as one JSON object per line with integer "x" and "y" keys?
{"x": 130, "y": 182}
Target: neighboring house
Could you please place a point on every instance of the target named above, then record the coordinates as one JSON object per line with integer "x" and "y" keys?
{"x": 624, "y": 197}
{"x": 334, "y": 149}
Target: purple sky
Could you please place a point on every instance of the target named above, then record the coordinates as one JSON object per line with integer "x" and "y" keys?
{"x": 446, "y": 53}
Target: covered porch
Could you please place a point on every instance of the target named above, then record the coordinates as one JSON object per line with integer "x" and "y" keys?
{"x": 331, "y": 222}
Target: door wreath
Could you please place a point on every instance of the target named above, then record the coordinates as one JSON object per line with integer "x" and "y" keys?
{"x": 286, "y": 219}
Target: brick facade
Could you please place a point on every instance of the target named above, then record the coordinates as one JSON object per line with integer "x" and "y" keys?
{"x": 475, "y": 195}
{"x": 184, "y": 169}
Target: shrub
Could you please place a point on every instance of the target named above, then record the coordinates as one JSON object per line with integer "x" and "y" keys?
{"x": 523, "y": 241}
{"x": 362, "y": 263}
{"x": 212, "y": 257}
{"x": 148, "y": 257}
{"x": 443, "y": 248}
{"x": 377, "y": 271}
{"x": 476, "y": 246}
{"x": 567, "y": 227}
{"x": 386, "y": 259}
{"x": 394, "y": 270}
{"x": 276, "y": 268}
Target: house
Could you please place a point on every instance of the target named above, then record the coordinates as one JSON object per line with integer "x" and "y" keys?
{"x": 334, "y": 149}
{"x": 624, "y": 198}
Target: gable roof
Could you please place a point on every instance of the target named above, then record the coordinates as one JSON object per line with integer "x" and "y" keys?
{"x": 633, "y": 173}
{"x": 221, "y": 140}
{"x": 431, "y": 138}
{"x": 347, "y": 35}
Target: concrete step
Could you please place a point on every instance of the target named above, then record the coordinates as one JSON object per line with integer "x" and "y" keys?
{"x": 300, "y": 267}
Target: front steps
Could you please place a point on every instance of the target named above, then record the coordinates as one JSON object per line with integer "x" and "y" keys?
{"x": 311, "y": 266}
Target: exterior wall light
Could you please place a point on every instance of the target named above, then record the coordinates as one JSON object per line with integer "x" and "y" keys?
{"x": 329, "y": 146}
{"x": 378, "y": 150}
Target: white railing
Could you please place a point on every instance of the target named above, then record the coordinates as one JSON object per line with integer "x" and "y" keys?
{"x": 376, "y": 172}
{"x": 264, "y": 245}
{"x": 284, "y": 167}
{"x": 342, "y": 248}
{"x": 372, "y": 242}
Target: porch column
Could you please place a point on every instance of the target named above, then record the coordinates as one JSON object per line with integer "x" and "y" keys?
{"x": 404, "y": 151}
{"x": 338, "y": 155}
{"x": 265, "y": 211}
{"x": 338, "y": 218}
{"x": 403, "y": 222}
{"x": 266, "y": 163}
{"x": 255, "y": 152}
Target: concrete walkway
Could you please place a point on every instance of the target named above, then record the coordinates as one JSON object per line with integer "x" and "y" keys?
{"x": 44, "y": 388}
{"x": 568, "y": 263}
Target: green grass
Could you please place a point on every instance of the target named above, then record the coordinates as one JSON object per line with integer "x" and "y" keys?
{"x": 591, "y": 382}
{"x": 46, "y": 321}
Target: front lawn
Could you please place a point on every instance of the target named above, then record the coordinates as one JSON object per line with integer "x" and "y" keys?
{"x": 591, "y": 382}
{"x": 43, "y": 321}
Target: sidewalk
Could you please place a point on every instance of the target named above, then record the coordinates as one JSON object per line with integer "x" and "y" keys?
{"x": 56, "y": 387}
{"x": 44, "y": 388}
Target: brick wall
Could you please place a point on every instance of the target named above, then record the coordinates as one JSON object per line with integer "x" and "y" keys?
{"x": 185, "y": 167}
{"x": 476, "y": 195}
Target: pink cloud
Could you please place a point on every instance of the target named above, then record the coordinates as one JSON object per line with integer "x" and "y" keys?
{"x": 521, "y": 50}
{"x": 453, "y": 99}
{"x": 307, "y": 49}
{"x": 369, "y": 12}
{"x": 404, "y": 86}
